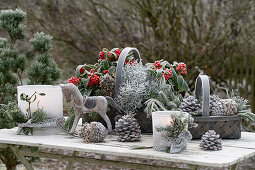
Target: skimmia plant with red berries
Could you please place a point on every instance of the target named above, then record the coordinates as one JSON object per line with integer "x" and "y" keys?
{"x": 88, "y": 76}
{"x": 172, "y": 73}
{"x": 155, "y": 86}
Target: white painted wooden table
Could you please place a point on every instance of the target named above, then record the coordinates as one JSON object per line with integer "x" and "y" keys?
{"x": 232, "y": 153}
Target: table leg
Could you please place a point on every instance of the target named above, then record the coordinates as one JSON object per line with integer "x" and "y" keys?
{"x": 21, "y": 157}
{"x": 235, "y": 166}
{"x": 71, "y": 162}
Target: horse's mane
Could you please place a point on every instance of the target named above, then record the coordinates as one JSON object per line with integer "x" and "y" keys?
{"x": 69, "y": 90}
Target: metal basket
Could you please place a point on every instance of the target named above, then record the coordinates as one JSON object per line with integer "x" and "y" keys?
{"x": 228, "y": 127}
{"x": 144, "y": 122}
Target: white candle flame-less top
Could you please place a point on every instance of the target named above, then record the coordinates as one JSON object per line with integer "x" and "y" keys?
{"x": 51, "y": 102}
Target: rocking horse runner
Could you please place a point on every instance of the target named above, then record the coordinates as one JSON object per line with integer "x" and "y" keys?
{"x": 84, "y": 104}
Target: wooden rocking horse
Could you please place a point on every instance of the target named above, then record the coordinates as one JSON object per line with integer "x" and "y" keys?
{"x": 85, "y": 104}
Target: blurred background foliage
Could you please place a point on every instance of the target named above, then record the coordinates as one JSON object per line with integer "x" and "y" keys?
{"x": 217, "y": 36}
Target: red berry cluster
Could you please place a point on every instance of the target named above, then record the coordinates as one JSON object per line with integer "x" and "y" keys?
{"x": 106, "y": 71}
{"x": 82, "y": 70}
{"x": 157, "y": 64}
{"x": 109, "y": 55}
{"x": 131, "y": 62}
{"x": 94, "y": 79}
{"x": 101, "y": 55}
{"x": 167, "y": 74}
{"x": 111, "y": 59}
{"x": 92, "y": 70}
{"x": 118, "y": 51}
{"x": 182, "y": 67}
{"x": 74, "y": 80}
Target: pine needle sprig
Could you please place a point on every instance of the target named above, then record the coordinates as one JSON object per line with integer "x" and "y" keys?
{"x": 69, "y": 122}
{"x": 242, "y": 104}
{"x": 10, "y": 115}
{"x": 173, "y": 130}
{"x": 135, "y": 147}
{"x": 248, "y": 115}
{"x": 178, "y": 123}
{"x": 38, "y": 116}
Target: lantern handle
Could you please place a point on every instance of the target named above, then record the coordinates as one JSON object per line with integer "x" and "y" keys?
{"x": 203, "y": 86}
{"x": 120, "y": 65}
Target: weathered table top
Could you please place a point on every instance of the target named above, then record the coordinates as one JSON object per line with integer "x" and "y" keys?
{"x": 233, "y": 150}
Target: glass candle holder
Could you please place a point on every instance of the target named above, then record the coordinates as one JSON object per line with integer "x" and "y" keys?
{"x": 51, "y": 102}
{"x": 160, "y": 119}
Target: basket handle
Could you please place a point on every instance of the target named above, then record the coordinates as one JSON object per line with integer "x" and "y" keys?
{"x": 120, "y": 65}
{"x": 203, "y": 85}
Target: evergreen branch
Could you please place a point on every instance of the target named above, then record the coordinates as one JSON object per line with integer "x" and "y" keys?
{"x": 178, "y": 123}
{"x": 243, "y": 109}
{"x": 134, "y": 147}
{"x": 38, "y": 116}
{"x": 69, "y": 122}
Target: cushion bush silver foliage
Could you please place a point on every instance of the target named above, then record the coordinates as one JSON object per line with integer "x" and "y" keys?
{"x": 136, "y": 86}
{"x": 139, "y": 88}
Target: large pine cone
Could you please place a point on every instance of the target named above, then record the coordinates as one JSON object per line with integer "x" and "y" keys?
{"x": 211, "y": 141}
{"x": 229, "y": 106}
{"x": 107, "y": 85}
{"x": 93, "y": 132}
{"x": 216, "y": 106}
{"x": 190, "y": 105}
{"x": 128, "y": 129}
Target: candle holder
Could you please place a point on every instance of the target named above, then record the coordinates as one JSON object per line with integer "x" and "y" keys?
{"x": 170, "y": 130}
{"x": 46, "y": 98}
{"x": 51, "y": 102}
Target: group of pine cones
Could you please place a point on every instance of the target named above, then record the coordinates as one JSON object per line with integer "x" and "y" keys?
{"x": 222, "y": 107}
{"x": 127, "y": 128}
{"x": 218, "y": 106}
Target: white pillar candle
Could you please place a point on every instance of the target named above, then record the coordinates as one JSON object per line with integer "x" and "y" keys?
{"x": 51, "y": 102}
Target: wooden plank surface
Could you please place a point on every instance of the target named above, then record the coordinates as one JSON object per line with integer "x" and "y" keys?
{"x": 233, "y": 150}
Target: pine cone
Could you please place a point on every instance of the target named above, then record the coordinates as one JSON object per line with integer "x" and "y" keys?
{"x": 229, "y": 106}
{"x": 128, "y": 129}
{"x": 190, "y": 105}
{"x": 211, "y": 141}
{"x": 107, "y": 85}
{"x": 93, "y": 132}
{"x": 216, "y": 106}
